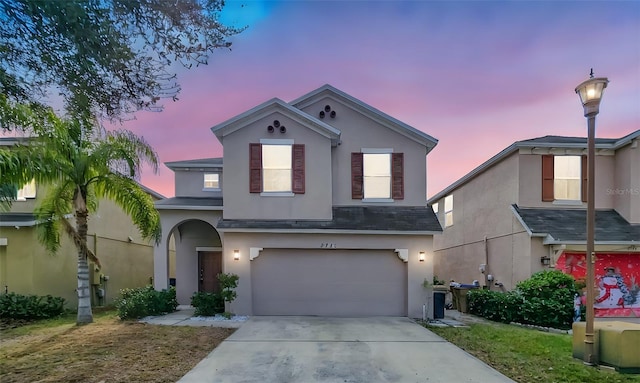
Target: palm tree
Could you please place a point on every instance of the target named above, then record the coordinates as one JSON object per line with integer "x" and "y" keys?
{"x": 80, "y": 163}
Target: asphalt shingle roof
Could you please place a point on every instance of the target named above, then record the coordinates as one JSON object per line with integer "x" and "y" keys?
{"x": 190, "y": 201}
{"x": 17, "y": 219}
{"x": 365, "y": 218}
{"x": 571, "y": 224}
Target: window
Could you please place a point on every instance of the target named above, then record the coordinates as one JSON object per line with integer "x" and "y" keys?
{"x": 27, "y": 191}
{"x": 564, "y": 178}
{"x": 377, "y": 174}
{"x": 277, "y": 166}
{"x": 435, "y": 208}
{"x": 211, "y": 181}
{"x": 448, "y": 210}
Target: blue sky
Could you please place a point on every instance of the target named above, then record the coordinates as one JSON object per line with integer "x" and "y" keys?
{"x": 477, "y": 75}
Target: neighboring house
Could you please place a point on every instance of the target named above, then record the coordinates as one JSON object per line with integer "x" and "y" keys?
{"x": 27, "y": 268}
{"x": 319, "y": 207}
{"x": 524, "y": 210}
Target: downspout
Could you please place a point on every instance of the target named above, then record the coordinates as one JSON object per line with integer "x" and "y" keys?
{"x": 486, "y": 263}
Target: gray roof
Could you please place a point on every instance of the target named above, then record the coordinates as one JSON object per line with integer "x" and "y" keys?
{"x": 549, "y": 142}
{"x": 17, "y": 219}
{"x": 356, "y": 218}
{"x": 562, "y": 140}
{"x": 569, "y": 225}
{"x": 190, "y": 202}
{"x": 196, "y": 163}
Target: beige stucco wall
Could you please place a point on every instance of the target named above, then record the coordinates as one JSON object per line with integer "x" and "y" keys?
{"x": 315, "y": 203}
{"x": 481, "y": 209}
{"x": 417, "y": 271}
{"x": 531, "y": 183}
{"x": 359, "y": 131}
{"x": 626, "y": 192}
{"x": 26, "y": 267}
{"x": 190, "y": 183}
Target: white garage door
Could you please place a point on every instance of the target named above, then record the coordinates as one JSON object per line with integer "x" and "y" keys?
{"x": 329, "y": 283}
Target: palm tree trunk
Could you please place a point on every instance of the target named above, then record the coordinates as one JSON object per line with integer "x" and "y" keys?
{"x": 84, "y": 289}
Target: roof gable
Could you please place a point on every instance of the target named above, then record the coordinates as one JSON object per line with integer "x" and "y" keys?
{"x": 275, "y": 105}
{"x": 367, "y": 110}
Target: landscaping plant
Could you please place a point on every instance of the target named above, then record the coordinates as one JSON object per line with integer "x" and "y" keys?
{"x": 210, "y": 304}
{"x": 30, "y": 307}
{"x": 145, "y": 301}
{"x": 545, "y": 299}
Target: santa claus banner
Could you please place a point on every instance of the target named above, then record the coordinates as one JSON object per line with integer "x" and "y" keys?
{"x": 617, "y": 281}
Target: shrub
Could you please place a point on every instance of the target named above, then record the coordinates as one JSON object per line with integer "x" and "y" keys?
{"x": 207, "y": 304}
{"x": 144, "y": 301}
{"x": 30, "y": 307}
{"x": 545, "y": 299}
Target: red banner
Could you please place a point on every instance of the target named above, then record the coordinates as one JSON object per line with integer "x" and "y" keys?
{"x": 617, "y": 281}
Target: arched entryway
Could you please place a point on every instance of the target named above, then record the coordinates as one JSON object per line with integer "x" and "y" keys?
{"x": 195, "y": 258}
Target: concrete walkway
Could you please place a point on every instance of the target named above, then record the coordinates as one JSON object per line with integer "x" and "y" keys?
{"x": 315, "y": 349}
{"x": 184, "y": 317}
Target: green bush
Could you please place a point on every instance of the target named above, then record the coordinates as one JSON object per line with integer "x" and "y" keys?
{"x": 30, "y": 307}
{"x": 144, "y": 301}
{"x": 545, "y": 299}
{"x": 207, "y": 304}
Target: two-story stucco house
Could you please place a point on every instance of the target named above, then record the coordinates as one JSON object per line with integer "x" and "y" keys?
{"x": 319, "y": 206}
{"x": 27, "y": 268}
{"x": 524, "y": 210}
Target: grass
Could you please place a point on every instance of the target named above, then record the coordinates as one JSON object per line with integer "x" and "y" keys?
{"x": 528, "y": 356}
{"x": 107, "y": 350}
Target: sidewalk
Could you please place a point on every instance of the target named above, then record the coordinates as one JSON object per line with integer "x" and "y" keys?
{"x": 184, "y": 317}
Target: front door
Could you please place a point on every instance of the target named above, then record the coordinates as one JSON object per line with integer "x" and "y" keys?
{"x": 209, "y": 266}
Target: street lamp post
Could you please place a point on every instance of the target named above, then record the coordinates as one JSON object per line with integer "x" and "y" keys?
{"x": 590, "y": 92}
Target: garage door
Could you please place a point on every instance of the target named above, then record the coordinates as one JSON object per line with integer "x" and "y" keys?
{"x": 329, "y": 283}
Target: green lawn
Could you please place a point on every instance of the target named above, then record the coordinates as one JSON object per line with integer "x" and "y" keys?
{"x": 528, "y": 356}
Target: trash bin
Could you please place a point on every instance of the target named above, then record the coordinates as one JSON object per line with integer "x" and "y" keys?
{"x": 460, "y": 294}
{"x": 438, "y": 304}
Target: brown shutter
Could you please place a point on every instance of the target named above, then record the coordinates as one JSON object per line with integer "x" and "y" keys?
{"x": 255, "y": 168}
{"x": 357, "y": 178}
{"x": 547, "y": 178}
{"x": 397, "y": 175}
{"x": 298, "y": 168}
{"x": 584, "y": 184}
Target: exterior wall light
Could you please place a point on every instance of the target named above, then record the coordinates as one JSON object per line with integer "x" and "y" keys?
{"x": 422, "y": 256}
{"x": 546, "y": 261}
{"x": 236, "y": 255}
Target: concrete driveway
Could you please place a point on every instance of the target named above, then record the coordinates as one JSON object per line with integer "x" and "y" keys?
{"x": 315, "y": 349}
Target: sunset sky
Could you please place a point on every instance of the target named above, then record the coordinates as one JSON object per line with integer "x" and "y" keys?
{"x": 476, "y": 75}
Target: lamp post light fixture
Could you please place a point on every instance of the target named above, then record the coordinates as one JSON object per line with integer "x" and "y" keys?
{"x": 590, "y": 92}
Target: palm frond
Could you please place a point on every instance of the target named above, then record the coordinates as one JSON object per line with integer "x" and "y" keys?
{"x": 124, "y": 152}
{"x": 128, "y": 194}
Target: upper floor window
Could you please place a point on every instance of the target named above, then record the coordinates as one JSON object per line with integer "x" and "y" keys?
{"x": 377, "y": 175}
{"x": 564, "y": 178}
{"x": 27, "y": 191}
{"x": 211, "y": 181}
{"x": 448, "y": 210}
{"x": 277, "y": 166}
{"x": 435, "y": 208}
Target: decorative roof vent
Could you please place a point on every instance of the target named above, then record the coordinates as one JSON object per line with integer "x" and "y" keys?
{"x": 327, "y": 109}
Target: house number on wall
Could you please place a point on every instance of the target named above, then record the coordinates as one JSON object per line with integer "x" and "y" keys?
{"x": 326, "y": 245}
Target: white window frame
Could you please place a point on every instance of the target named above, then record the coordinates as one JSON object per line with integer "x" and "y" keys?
{"x": 289, "y": 193}
{"x": 211, "y": 188}
{"x": 448, "y": 210}
{"x": 27, "y": 191}
{"x": 364, "y": 152}
{"x": 578, "y": 178}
